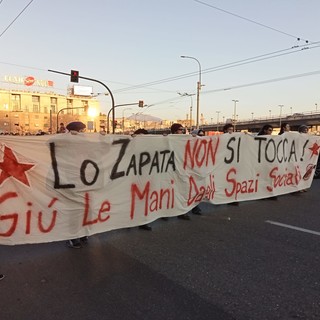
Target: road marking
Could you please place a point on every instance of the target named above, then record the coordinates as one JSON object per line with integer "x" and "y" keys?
{"x": 293, "y": 227}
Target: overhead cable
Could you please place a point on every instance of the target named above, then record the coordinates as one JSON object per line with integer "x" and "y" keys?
{"x": 252, "y": 21}
{"x": 16, "y": 18}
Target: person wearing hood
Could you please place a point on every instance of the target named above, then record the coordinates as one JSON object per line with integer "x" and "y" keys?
{"x": 303, "y": 129}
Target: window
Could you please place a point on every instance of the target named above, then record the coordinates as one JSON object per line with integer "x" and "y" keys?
{"x": 36, "y": 108}
{"x": 15, "y": 102}
{"x": 53, "y": 104}
{"x": 35, "y": 103}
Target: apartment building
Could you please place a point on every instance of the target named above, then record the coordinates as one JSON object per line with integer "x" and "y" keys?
{"x": 27, "y": 112}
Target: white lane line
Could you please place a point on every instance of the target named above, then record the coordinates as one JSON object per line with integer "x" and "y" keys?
{"x": 293, "y": 227}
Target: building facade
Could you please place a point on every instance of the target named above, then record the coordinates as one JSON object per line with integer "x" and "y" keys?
{"x": 28, "y": 112}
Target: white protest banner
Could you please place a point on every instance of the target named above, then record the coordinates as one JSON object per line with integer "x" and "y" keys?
{"x": 65, "y": 186}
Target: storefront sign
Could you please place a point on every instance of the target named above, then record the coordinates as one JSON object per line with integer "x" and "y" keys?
{"x": 28, "y": 81}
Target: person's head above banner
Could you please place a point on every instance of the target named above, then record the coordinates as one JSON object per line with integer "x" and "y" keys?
{"x": 76, "y": 126}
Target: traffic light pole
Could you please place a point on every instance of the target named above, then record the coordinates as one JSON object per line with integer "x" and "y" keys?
{"x": 95, "y": 80}
{"x": 118, "y": 105}
{"x": 63, "y": 110}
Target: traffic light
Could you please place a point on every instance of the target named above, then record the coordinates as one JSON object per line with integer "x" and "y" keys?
{"x": 141, "y": 104}
{"x": 74, "y": 76}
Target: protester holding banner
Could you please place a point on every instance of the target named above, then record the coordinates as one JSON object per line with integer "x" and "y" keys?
{"x": 265, "y": 130}
{"x": 177, "y": 128}
{"x": 138, "y": 132}
{"x": 285, "y": 127}
{"x": 74, "y": 128}
{"x": 200, "y": 133}
{"x": 228, "y": 128}
{"x": 303, "y": 129}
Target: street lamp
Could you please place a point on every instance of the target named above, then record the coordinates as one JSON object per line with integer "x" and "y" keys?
{"x": 218, "y": 112}
{"x": 280, "y": 106}
{"x": 198, "y": 88}
{"x": 316, "y": 107}
{"x": 123, "y": 117}
{"x": 269, "y": 113}
{"x": 252, "y": 113}
{"x": 234, "y": 113}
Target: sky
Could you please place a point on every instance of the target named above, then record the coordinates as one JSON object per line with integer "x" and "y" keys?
{"x": 248, "y": 50}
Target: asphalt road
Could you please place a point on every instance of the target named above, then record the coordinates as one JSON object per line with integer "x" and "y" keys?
{"x": 230, "y": 263}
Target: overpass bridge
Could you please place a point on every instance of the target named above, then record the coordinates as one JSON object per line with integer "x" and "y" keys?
{"x": 311, "y": 119}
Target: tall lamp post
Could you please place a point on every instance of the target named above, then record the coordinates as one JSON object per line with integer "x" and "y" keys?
{"x": 234, "y": 113}
{"x": 280, "y": 106}
{"x": 123, "y": 117}
{"x": 198, "y": 89}
{"x": 218, "y": 112}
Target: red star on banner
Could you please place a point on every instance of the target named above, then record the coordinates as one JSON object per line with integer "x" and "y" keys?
{"x": 314, "y": 149}
{"x": 10, "y": 167}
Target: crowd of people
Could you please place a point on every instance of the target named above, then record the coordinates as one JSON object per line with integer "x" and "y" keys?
{"x": 176, "y": 128}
